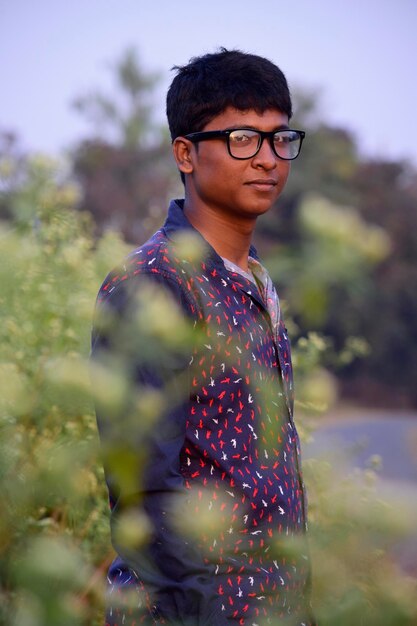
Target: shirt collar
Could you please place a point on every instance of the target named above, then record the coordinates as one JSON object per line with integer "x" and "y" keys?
{"x": 176, "y": 220}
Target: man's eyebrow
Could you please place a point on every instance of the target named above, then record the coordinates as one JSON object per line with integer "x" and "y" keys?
{"x": 249, "y": 127}
{"x": 283, "y": 127}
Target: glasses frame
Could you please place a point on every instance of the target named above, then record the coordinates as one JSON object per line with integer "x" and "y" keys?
{"x": 219, "y": 134}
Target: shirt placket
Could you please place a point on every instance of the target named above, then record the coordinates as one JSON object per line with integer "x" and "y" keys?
{"x": 272, "y": 304}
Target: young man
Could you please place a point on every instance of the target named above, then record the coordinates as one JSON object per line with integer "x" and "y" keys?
{"x": 208, "y": 508}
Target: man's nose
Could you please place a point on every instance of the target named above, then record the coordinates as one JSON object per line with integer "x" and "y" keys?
{"x": 266, "y": 157}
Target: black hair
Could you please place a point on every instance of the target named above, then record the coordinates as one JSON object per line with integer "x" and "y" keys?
{"x": 211, "y": 83}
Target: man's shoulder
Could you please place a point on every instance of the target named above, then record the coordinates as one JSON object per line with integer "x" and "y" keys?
{"x": 154, "y": 260}
{"x": 152, "y": 257}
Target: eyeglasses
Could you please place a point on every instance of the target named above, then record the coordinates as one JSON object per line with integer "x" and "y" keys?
{"x": 245, "y": 143}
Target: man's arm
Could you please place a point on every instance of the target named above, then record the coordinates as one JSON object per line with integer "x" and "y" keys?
{"x": 142, "y": 440}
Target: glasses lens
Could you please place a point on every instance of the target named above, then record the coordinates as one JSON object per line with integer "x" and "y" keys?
{"x": 287, "y": 143}
{"x": 243, "y": 143}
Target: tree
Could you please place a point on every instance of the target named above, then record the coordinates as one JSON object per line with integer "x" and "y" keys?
{"x": 372, "y": 206}
{"x": 387, "y": 194}
{"x": 125, "y": 170}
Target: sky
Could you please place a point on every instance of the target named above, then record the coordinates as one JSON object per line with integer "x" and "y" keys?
{"x": 358, "y": 54}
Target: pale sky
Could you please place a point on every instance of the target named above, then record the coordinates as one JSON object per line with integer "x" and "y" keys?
{"x": 360, "y": 54}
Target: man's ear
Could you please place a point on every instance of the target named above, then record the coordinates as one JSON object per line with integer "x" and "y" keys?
{"x": 182, "y": 149}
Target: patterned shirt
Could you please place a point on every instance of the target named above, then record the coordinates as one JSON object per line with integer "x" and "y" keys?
{"x": 224, "y": 451}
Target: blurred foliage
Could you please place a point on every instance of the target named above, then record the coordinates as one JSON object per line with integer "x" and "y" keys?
{"x": 55, "y": 544}
{"x": 342, "y": 247}
{"x": 356, "y": 523}
{"x": 53, "y": 529}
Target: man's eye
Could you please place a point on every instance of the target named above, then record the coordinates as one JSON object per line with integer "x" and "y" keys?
{"x": 281, "y": 138}
{"x": 284, "y": 137}
{"x": 241, "y": 137}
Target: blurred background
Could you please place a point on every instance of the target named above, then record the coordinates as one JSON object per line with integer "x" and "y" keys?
{"x": 86, "y": 174}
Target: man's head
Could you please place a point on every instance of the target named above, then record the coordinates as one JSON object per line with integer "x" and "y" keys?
{"x": 228, "y": 114}
{"x": 210, "y": 84}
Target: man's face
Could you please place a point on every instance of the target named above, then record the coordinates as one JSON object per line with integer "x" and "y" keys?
{"x": 245, "y": 188}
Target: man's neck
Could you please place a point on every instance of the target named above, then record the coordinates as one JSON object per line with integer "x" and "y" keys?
{"x": 230, "y": 237}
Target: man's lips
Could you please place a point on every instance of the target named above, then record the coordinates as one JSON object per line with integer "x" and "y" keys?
{"x": 263, "y": 184}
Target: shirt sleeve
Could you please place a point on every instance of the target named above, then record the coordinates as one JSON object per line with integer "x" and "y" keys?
{"x": 142, "y": 434}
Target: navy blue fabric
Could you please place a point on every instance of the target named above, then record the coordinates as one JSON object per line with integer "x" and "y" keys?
{"x": 226, "y": 432}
